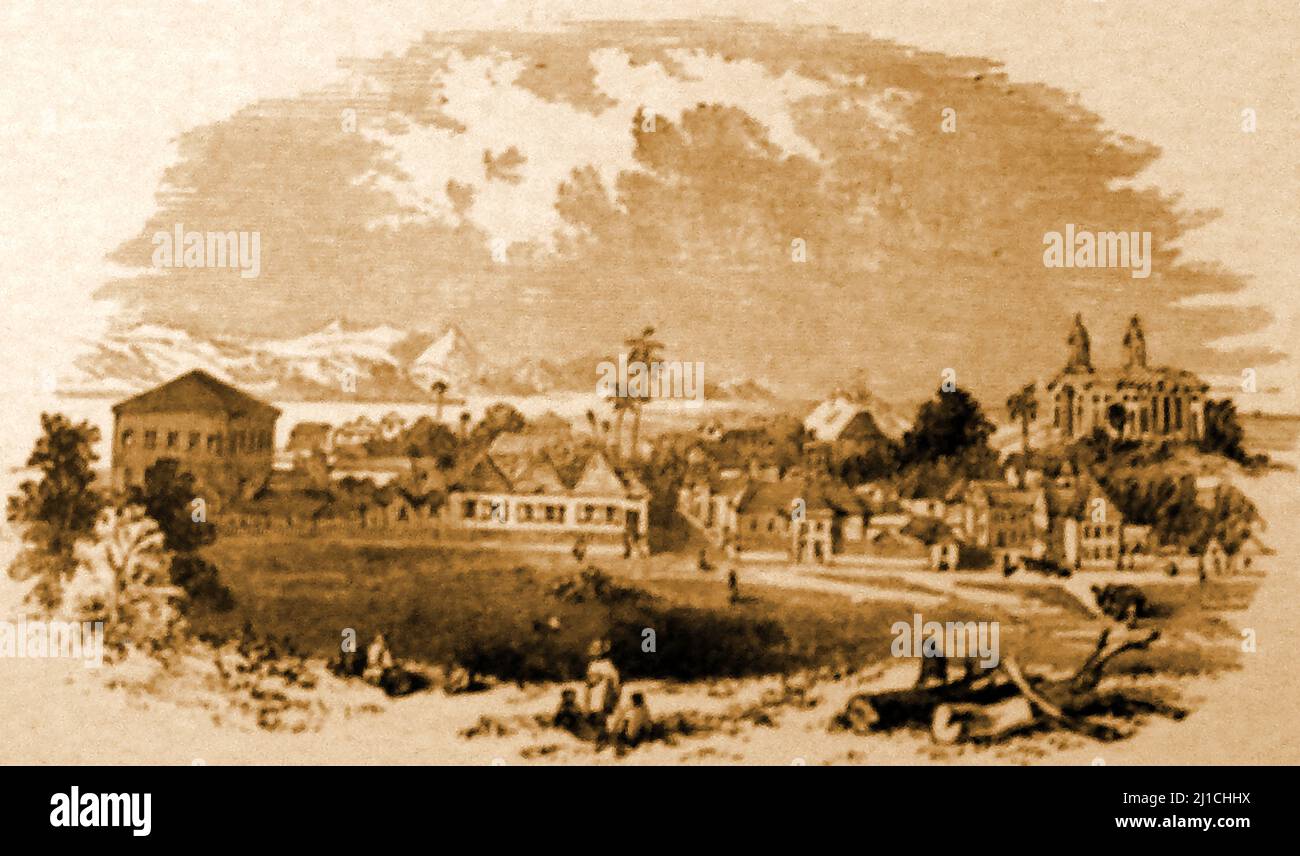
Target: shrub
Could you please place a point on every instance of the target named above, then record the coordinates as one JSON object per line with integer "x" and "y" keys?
{"x": 198, "y": 578}
{"x": 121, "y": 577}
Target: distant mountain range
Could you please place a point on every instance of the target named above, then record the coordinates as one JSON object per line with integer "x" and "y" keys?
{"x": 339, "y": 362}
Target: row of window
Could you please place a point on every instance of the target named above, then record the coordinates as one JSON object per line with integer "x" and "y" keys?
{"x": 1107, "y": 531}
{"x": 1011, "y": 537}
{"x": 217, "y": 444}
{"x": 536, "y": 512}
{"x": 1164, "y": 416}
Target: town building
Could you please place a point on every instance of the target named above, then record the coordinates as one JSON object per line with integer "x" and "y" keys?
{"x": 222, "y": 436}
{"x": 1135, "y": 401}
{"x": 306, "y": 439}
{"x": 356, "y": 432}
{"x": 840, "y": 419}
{"x": 1004, "y": 519}
{"x": 1087, "y": 528}
{"x": 591, "y": 498}
{"x": 793, "y": 519}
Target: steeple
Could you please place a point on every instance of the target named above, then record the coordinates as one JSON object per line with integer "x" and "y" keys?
{"x": 1135, "y": 345}
{"x": 1080, "y": 347}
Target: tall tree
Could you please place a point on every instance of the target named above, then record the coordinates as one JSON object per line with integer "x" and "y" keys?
{"x": 948, "y": 440}
{"x": 439, "y": 395}
{"x": 1023, "y": 405}
{"x": 950, "y": 424}
{"x": 1223, "y": 433}
{"x": 59, "y": 507}
{"x": 646, "y": 350}
{"x": 499, "y": 418}
{"x": 169, "y": 496}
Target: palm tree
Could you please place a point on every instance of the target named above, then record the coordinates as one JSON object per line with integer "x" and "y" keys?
{"x": 439, "y": 392}
{"x": 645, "y": 350}
{"x": 621, "y": 404}
{"x": 1023, "y": 405}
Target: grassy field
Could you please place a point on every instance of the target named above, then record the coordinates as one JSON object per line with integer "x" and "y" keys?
{"x": 498, "y": 614}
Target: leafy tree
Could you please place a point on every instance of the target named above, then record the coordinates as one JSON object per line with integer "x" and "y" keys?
{"x": 1223, "y": 434}
{"x": 499, "y": 418}
{"x": 879, "y": 460}
{"x": 428, "y": 438}
{"x": 949, "y": 425}
{"x": 59, "y": 508}
{"x": 199, "y": 579}
{"x": 168, "y": 496}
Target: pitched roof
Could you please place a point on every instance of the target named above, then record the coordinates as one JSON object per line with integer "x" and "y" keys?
{"x": 842, "y": 418}
{"x": 599, "y": 478}
{"x": 479, "y": 473}
{"x": 817, "y": 496}
{"x": 195, "y": 391}
{"x": 538, "y": 477}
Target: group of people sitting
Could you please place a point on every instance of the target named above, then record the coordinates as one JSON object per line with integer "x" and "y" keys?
{"x": 604, "y": 715}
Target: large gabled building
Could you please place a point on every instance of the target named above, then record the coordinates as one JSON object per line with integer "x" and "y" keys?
{"x": 591, "y": 497}
{"x": 224, "y": 437}
{"x": 1135, "y": 401}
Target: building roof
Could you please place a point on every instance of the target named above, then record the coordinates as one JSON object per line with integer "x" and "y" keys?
{"x": 761, "y": 497}
{"x": 195, "y": 391}
{"x": 839, "y": 418}
{"x": 537, "y": 477}
{"x": 592, "y": 475}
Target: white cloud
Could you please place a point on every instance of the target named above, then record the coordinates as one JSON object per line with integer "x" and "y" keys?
{"x": 555, "y": 137}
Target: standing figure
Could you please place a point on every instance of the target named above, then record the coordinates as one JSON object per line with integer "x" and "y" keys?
{"x": 603, "y": 686}
{"x": 378, "y": 659}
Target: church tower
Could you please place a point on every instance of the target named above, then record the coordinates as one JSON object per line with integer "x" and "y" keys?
{"x": 1135, "y": 345}
{"x": 1080, "y": 347}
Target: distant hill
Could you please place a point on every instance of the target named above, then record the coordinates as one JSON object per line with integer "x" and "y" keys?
{"x": 381, "y": 363}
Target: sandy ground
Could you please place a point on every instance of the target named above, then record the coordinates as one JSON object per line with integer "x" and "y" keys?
{"x": 57, "y": 712}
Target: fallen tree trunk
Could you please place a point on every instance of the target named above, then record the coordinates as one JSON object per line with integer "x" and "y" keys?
{"x": 996, "y": 705}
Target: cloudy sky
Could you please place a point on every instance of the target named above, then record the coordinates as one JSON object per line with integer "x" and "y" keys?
{"x": 924, "y": 248}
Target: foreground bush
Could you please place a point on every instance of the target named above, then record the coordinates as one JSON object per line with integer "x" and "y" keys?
{"x": 122, "y": 578}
